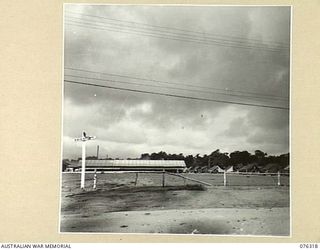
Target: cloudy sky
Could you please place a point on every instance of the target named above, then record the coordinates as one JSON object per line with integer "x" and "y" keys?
{"x": 229, "y": 54}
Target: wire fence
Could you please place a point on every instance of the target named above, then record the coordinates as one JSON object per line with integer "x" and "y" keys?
{"x": 158, "y": 178}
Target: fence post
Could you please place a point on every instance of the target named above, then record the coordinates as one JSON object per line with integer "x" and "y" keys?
{"x": 279, "y": 182}
{"x": 136, "y": 180}
{"x": 95, "y": 179}
{"x": 225, "y": 178}
{"x": 163, "y": 172}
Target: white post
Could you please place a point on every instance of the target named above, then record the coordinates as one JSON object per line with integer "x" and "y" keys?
{"x": 83, "y": 139}
{"x": 225, "y": 178}
{"x": 95, "y": 179}
{"x": 83, "y": 168}
{"x": 279, "y": 183}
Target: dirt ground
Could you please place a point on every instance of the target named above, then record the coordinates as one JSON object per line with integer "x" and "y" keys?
{"x": 118, "y": 206}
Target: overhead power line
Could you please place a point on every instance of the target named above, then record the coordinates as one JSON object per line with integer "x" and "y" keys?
{"x": 251, "y": 94}
{"x": 167, "y": 87}
{"x": 169, "y": 32}
{"x": 177, "y": 29}
{"x": 173, "y": 95}
{"x": 170, "y": 37}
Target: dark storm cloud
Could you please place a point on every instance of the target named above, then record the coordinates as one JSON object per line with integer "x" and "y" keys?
{"x": 129, "y": 123}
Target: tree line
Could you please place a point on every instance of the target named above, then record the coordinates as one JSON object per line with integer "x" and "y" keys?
{"x": 239, "y": 160}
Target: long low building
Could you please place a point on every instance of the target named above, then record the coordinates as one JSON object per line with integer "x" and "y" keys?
{"x": 134, "y": 165}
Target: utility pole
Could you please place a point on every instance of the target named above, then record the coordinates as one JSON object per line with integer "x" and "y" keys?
{"x": 84, "y": 138}
{"x": 97, "y": 152}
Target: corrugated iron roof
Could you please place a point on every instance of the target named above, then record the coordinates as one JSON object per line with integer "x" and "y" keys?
{"x": 134, "y": 163}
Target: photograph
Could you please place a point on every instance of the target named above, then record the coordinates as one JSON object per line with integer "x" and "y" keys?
{"x": 176, "y": 119}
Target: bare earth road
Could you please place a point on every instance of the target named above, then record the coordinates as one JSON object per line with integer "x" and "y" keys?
{"x": 124, "y": 208}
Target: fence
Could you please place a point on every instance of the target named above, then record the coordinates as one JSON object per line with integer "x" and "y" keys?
{"x": 256, "y": 179}
{"x": 156, "y": 178}
{"x": 242, "y": 179}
